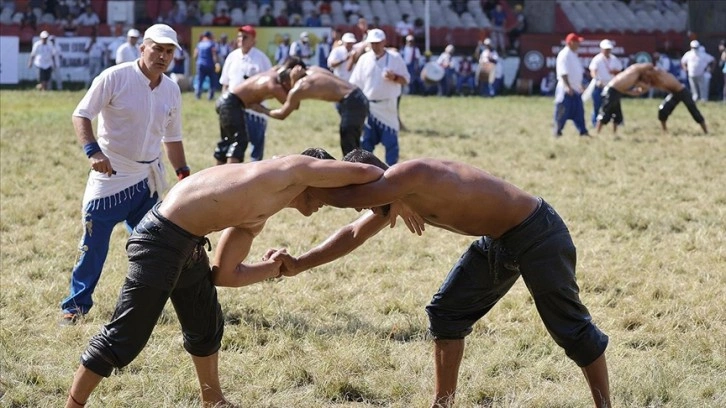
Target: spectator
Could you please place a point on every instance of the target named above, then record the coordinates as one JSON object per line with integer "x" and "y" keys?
{"x": 707, "y": 73}
{"x": 114, "y": 45}
{"x": 488, "y": 62}
{"x": 498, "y": 18}
{"x": 296, "y": 20}
{"x": 96, "y": 57}
{"x": 548, "y": 83}
{"x": 181, "y": 56}
{"x": 88, "y": 18}
{"x": 351, "y": 7}
{"x": 412, "y": 56}
{"x": 281, "y": 20}
{"x": 568, "y": 100}
{"x": 28, "y": 18}
{"x": 223, "y": 48}
{"x": 302, "y": 48}
{"x": 696, "y": 63}
{"x": 206, "y": 6}
{"x": 267, "y": 19}
{"x": 519, "y": 28}
{"x": 205, "y": 54}
{"x": 603, "y": 67}
{"x": 324, "y": 7}
{"x": 324, "y": 47}
{"x": 42, "y": 56}
{"x": 222, "y": 19}
{"x": 662, "y": 61}
{"x": 129, "y": 51}
{"x": 69, "y": 26}
{"x": 192, "y": 18}
{"x": 382, "y": 87}
{"x": 282, "y": 53}
{"x": 404, "y": 28}
{"x": 57, "y": 76}
{"x": 294, "y": 7}
{"x": 175, "y": 15}
{"x": 722, "y": 65}
{"x": 419, "y": 30}
{"x": 313, "y": 20}
{"x": 465, "y": 75}
{"x": 338, "y": 58}
{"x": 446, "y": 62}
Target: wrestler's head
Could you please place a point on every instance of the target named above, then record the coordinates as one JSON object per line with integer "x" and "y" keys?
{"x": 306, "y": 203}
{"x": 364, "y": 156}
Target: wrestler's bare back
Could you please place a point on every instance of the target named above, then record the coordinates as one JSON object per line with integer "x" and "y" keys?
{"x": 322, "y": 86}
{"x": 629, "y": 78}
{"x": 233, "y": 195}
{"x": 664, "y": 80}
{"x": 258, "y": 88}
{"x": 449, "y": 195}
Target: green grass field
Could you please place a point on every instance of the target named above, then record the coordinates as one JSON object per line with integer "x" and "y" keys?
{"x": 647, "y": 212}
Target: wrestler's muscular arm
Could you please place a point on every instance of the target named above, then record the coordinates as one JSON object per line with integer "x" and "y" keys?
{"x": 229, "y": 269}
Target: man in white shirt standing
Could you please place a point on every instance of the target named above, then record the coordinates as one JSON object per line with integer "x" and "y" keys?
{"x": 603, "y": 67}
{"x": 43, "y": 57}
{"x": 242, "y": 63}
{"x": 380, "y": 73}
{"x": 96, "y": 52}
{"x": 138, "y": 109}
{"x": 128, "y": 51}
{"x": 412, "y": 56}
{"x": 696, "y": 63}
{"x": 568, "y": 100}
{"x": 338, "y": 58}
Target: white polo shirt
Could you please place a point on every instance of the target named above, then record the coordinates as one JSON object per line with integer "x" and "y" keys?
{"x": 568, "y": 64}
{"x": 42, "y": 54}
{"x": 237, "y": 66}
{"x": 603, "y": 66}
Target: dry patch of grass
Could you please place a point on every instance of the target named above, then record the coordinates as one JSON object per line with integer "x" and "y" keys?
{"x": 647, "y": 212}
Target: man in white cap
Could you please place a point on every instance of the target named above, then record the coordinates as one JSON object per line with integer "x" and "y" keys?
{"x": 302, "y": 49}
{"x": 138, "y": 109}
{"x": 381, "y": 73}
{"x": 128, "y": 51}
{"x": 603, "y": 67}
{"x": 696, "y": 63}
{"x": 412, "y": 56}
{"x": 339, "y": 56}
{"x": 43, "y": 57}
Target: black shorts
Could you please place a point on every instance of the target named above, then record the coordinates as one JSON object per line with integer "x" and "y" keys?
{"x": 165, "y": 262}
{"x": 610, "y": 108}
{"x": 44, "y": 74}
{"x": 541, "y": 250}
{"x": 232, "y": 127}
{"x": 353, "y": 111}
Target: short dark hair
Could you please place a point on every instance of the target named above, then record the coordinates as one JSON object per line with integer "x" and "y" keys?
{"x": 364, "y": 156}
{"x": 318, "y": 153}
{"x": 283, "y": 73}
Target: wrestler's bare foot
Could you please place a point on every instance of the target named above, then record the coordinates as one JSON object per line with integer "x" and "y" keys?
{"x": 703, "y": 126}
{"x": 663, "y": 125}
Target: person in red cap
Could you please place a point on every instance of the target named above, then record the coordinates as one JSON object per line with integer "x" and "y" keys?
{"x": 568, "y": 100}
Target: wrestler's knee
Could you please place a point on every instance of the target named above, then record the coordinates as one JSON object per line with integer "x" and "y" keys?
{"x": 101, "y": 359}
{"x": 584, "y": 347}
{"x": 205, "y": 340}
{"x": 445, "y": 327}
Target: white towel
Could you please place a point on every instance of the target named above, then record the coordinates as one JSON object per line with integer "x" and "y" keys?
{"x": 386, "y": 112}
{"x": 128, "y": 173}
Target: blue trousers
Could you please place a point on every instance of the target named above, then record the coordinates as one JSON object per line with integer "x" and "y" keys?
{"x": 596, "y": 104}
{"x": 571, "y": 107}
{"x": 256, "y": 128}
{"x": 99, "y": 218}
{"x": 204, "y": 72}
{"x": 376, "y": 132}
